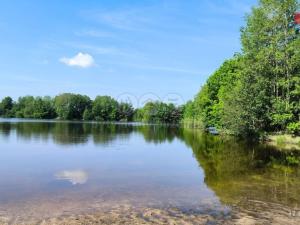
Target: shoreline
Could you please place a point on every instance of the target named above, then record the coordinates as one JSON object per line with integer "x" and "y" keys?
{"x": 126, "y": 214}
{"x": 284, "y": 142}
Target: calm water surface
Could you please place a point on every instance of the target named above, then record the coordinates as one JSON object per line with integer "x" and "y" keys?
{"x": 55, "y": 168}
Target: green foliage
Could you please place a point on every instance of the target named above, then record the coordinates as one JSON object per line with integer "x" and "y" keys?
{"x": 6, "y": 106}
{"x": 294, "y": 128}
{"x": 292, "y": 160}
{"x": 258, "y": 90}
{"x": 212, "y": 106}
{"x": 189, "y": 111}
{"x": 87, "y": 114}
{"x": 71, "y": 106}
{"x": 159, "y": 112}
{"x": 105, "y": 108}
{"x": 125, "y": 112}
{"x": 280, "y": 115}
{"x": 30, "y": 107}
{"x": 43, "y": 108}
{"x": 25, "y": 107}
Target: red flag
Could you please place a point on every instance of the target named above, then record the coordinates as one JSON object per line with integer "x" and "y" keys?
{"x": 297, "y": 18}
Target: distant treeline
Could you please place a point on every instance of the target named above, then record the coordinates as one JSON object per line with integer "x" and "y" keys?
{"x": 257, "y": 90}
{"x": 69, "y": 106}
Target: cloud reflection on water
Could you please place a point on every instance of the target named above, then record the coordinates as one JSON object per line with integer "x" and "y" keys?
{"x": 73, "y": 176}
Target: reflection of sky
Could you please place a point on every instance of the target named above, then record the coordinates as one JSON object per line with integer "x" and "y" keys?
{"x": 73, "y": 176}
{"x": 128, "y": 165}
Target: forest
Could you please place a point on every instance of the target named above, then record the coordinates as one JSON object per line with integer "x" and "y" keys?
{"x": 70, "y": 106}
{"x": 257, "y": 91}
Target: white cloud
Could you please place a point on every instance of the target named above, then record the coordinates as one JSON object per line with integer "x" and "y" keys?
{"x": 83, "y": 60}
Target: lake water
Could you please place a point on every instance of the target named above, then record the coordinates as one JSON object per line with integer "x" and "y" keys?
{"x": 54, "y": 169}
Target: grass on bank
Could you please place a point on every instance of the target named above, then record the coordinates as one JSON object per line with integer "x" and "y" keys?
{"x": 284, "y": 141}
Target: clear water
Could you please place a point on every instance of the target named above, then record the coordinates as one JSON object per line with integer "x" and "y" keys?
{"x": 55, "y": 168}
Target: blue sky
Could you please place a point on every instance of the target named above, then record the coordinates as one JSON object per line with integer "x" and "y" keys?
{"x": 145, "y": 49}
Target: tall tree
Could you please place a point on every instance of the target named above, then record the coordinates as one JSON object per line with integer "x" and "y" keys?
{"x": 6, "y": 106}
{"x": 125, "y": 111}
{"x": 105, "y": 108}
{"x": 271, "y": 51}
{"x": 71, "y": 106}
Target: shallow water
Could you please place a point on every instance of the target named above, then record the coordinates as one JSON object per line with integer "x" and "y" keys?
{"x": 50, "y": 169}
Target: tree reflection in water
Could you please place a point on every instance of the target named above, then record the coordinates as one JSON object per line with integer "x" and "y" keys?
{"x": 235, "y": 170}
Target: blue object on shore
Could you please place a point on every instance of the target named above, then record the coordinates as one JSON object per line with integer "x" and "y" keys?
{"x": 213, "y": 131}
{"x": 297, "y": 28}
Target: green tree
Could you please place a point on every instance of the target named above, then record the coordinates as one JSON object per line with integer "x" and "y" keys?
{"x": 71, "y": 106}
{"x": 105, "y": 108}
{"x": 36, "y": 108}
{"x": 125, "y": 111}
{"x": 257, "y": 90}
{"x": 43, "y": 108}
{"x": 159, "y": 112}
{"x": 6, "y": 106}
{"x": 24, "y": 107}
{"x": 88, "y": 114}
{"x": 209, "y": 105}
{"x": 271, "y": 52}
